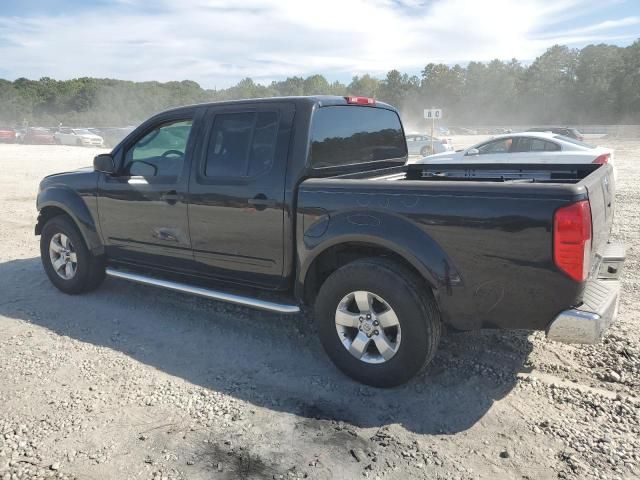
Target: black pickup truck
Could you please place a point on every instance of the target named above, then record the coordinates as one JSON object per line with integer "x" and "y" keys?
{"x": 279, "y": 203}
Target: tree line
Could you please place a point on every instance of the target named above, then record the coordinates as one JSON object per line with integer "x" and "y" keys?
{"x": 597, "y": 84}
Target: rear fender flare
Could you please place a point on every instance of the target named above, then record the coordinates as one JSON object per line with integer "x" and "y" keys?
{"x": 387, "y": 231}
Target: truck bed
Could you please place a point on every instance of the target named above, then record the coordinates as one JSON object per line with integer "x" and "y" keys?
{"x": 494, "y": 224}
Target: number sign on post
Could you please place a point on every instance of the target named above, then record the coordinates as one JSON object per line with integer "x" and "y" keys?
{"x": 432, "y": 114}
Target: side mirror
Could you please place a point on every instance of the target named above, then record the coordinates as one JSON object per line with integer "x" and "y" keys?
{"x": 140, "y": 168}
{"x": 472, "y": 151}
{"x": 104, "y": 163}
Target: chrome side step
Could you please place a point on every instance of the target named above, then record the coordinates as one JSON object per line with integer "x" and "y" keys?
{"x": 205, "y": 292}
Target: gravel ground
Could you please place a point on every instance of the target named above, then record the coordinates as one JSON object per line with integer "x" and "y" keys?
{"x": 134, "y": 382}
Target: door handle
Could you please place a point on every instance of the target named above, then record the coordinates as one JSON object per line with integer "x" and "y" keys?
{"x": 170, "y": 197}
{"x": 260, "y": 202}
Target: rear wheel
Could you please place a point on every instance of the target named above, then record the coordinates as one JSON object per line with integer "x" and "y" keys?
{"x": 376, "y": 322}
{"x": 425, "y": 151}
{"x": 66, "y": 259}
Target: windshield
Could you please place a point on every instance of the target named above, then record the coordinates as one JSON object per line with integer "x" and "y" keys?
{"x": 82, "y": 131}
{"x": 574, "y": 141}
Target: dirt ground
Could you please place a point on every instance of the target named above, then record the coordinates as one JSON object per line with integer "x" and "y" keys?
{"x": 134, "y": 382}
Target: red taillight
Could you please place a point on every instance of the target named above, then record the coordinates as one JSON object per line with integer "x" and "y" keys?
{"x": 602, "y": 159}
{"x": 360, "y": 100}
{"x": 572, "y": 239}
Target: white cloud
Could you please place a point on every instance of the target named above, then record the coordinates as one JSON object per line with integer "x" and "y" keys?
{"x": 607, "y": 25}
{"x": 217, "y": 44}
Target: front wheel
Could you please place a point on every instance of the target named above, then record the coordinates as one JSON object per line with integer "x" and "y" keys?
{"x": 69, "y": 264}
{"x": 377, "y": 322}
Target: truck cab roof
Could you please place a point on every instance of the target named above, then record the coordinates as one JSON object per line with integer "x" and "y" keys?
{"x": 309, "y": 100}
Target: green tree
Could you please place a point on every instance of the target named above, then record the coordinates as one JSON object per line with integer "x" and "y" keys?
{"x": 364, "y": 86}
{"x": 550, "y": 85}
{"x": 600, "y": 83}
{"x": 316, "y": 85}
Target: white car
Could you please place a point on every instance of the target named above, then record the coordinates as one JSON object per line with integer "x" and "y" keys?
{"x": 78, "y": 136}
{"x": 526, "y": 147}
{"x": 420, "y": 144}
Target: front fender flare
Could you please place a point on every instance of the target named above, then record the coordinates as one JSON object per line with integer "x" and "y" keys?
{"x": 71, "y": 203}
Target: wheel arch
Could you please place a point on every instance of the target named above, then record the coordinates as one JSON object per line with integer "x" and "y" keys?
{"x": 62, "y": 201}
{"x": 344, "y": 250}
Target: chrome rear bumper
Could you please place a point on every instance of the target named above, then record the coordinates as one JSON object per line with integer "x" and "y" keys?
{"x": 588, "y": 322}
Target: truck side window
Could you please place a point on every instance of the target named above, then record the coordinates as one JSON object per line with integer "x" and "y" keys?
{"x": 241, "y": 144}
{"x": 160, "y": 153}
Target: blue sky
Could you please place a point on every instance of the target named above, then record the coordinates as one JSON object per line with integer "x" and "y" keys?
{"x": 217, "y": 43}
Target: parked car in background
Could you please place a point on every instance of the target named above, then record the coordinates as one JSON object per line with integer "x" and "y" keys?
{"x": 20, "y": 134}
{"x": 462, "y": 131}
{"x": 78, "y": 136}
{"x": 7, "y": 135}
{"x": 113, "y": 135}
{"x": 499, "y": 130}
{"x": 38, "y": 136}
{"x": 419, "y": 144}
{"x": 527, "y": 147}
{"x": 566, "y": 131}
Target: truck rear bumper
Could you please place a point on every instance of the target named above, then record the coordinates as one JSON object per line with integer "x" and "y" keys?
{"x": 588, "y": 322}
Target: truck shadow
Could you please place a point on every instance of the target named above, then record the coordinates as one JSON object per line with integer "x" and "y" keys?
{"x": 269, "y": 360}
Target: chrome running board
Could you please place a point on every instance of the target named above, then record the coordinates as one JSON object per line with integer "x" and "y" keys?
{"x": 205, "y": 292}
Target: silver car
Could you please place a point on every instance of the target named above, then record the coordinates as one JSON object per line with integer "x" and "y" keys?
{"x": 420, "y": 144}
{"x": 527, "y": 147}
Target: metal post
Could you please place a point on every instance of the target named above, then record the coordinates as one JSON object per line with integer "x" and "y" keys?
{"x": 433, "y": 122}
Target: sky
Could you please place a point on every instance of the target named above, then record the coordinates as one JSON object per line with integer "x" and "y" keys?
{"x": 217, "y": 43}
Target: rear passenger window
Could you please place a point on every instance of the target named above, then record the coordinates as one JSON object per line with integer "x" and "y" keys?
{"x": 523, "y": 144}
{"x": 263, "y": 146}
{"x": 241, "y": 144}
{"x": 347, "y": 135}
{"x": 527, "y": 144}
{"x": 501, "y": 145}
{"x": 538, "y": 145}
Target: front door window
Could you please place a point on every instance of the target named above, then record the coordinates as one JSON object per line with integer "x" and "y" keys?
{"x": 161, "y": 152}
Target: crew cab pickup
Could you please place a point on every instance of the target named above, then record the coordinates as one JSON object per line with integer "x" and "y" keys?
{"x": 280, "y": 203}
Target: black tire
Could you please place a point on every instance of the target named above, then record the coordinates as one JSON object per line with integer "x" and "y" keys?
{"x": 90, "y": 270}
{"x": 410, "y": 299}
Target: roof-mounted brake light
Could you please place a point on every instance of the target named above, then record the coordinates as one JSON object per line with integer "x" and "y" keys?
{"x": 360, "y": 100}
